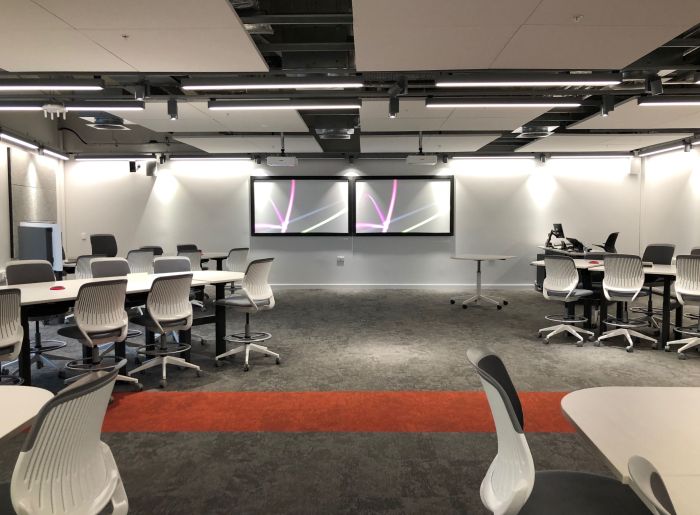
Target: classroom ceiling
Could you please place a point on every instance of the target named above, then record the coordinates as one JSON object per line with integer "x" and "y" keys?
{"x": 399, "y": 51}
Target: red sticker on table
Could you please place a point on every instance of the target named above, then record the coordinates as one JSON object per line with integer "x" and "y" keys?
{"x": 57, "y": 288}
{"x": 594, "y": 262}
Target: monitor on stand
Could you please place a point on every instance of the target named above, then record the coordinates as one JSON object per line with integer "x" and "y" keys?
{"x": 557, "y": 232}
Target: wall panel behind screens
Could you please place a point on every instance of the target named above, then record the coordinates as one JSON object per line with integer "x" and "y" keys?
{"x": 295, "y": 206}
{"x": 404, "y": 206}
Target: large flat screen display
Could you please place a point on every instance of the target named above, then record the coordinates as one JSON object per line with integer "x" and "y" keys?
{"x": 295, "y": 206}
{"x": 404, "y": 206}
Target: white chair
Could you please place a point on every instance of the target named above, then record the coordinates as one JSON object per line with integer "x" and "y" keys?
{"x": 560, "y": 285}
{"x": 649, "y": 484}
{"x": 168, "y": 310}
{"x": 688, "y": 293}
{"x": 64, "y": 468}
{"x": 195, "y": 257}
{"x": 179, "y": 264}
{"x": 103, "y": 267}
{"x": 255, "y": 295}
{"x": 622, "y": 282}
{"x": 11, "y": 332}
{"x": 140, "y": 261}
{"x": 511, "y": 485}
{"x": 100, "y": 321}
{"x": 236, "y": 261}
{"x": 83, "y": 267}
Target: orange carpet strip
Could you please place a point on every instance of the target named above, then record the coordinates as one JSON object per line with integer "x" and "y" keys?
{"x": 357, "y": 411}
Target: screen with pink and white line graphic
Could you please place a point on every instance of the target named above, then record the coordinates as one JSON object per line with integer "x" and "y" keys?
{"x": 403, "y": 206}
{"x": 301, "y": 206}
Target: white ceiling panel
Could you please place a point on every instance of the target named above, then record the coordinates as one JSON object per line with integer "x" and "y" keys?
{"x": 476, "y": 34}
{"x": 252, "y": 144}
{"x": 597, "y": 142}
{"x": 629, "y": 115}
{"x": 104, "y": 36}
{"x": 414, "y": 116}
{"x": 257, "y": 121}
{"x": 456, "y": 142}
{"x": 377, "y": 143}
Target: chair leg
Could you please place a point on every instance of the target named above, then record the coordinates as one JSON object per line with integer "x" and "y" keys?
{"x": 641, "y": 335}
{"x": 262, "y": 349}
{"x": 550, "y": 328}
{"x": 120, "y": 502}
{"x": 154, "y": 362}
{"x": 687, "y": 346}
{"x": 237, "y": 350}
{"x": 680, "y": 342}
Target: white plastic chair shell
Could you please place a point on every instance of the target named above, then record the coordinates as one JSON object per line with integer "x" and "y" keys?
{"x": 688, "y": 280}
{"x": 562, "y": 276}
{"x": 195, "y": 258}
{"x": 255, "y": 285}
{"x": 171, "y": 264}
{"x": 109, "y": 267}
{"x": 83, "y": 267}
{"x": 11, "y": 331}
{"x": 140, "y": 261}
{"x": 64, "y": 468}
{"x": 511, "y": 476}
{"x": 647, "y": 482}
{"x": 237, "y": 260}
{"x": 99, "y": 308}
{"x": 169, "y": 300}
{"x": 624, "y": 277}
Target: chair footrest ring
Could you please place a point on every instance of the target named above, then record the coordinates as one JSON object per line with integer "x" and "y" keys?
{"x": 691, "y": 330}
{"x": 250, "y": 338}
{"x": 565, "y": 319}
{"x": 87, "y": 365}
{"x": 154, "y": 350}
{"x": 630, "y": 324}
{"x": 47, "y": 348}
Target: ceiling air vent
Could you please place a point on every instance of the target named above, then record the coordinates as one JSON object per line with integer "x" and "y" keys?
{"x": 106, "y": 123}
{"x": 335, "y": 133}
{"x": 533, "y": 132}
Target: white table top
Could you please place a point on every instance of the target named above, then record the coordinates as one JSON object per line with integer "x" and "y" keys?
{"x": 214, "y": 255}
{"x": 19, "y": 405}
{"x": 481, "y": 257}
{"x": 566, "y": 252}
{"x": 40, "y": 293}
{"x": 658, "y": 423}
{"x": 581, "y": 264}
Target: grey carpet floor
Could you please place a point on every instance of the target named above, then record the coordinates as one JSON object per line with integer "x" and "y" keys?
{"x": 364, "y": 340}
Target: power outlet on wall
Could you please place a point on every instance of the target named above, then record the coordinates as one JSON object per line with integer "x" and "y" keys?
{"x": 340, "y": 260}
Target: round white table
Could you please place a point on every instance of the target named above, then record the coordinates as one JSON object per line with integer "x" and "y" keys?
{"x": 474, "y": 299}
{"x": 19, "y": 405}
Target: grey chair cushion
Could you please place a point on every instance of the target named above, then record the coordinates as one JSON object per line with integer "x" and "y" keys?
{"x": 241, "y": 301}
{"x": 146, "y": 321}
{"x": 72, "y": 331}
{"x": 575, "y": 295}
{"x": 578, "y": 493}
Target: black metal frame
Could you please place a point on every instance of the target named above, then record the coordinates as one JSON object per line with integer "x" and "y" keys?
{"x": 334, "y": 178}
{"x": 448, "y": 178}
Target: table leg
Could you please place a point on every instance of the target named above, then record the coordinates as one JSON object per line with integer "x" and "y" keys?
{"x": 666, "y": 314}
{"x": 25, "y": 357}
{"x": 186, "y": 337}
{"x": 219, "y": 264}
{"x": 587, "y": 305}
{"x": 679, "y": 319}
{"x": 120, "y": 352}
{"x": 603, "y": 315}
{"x": 220, "y": 314}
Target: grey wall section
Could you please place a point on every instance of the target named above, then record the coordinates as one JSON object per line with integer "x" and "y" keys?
{"x": 502, "y": 206}
{"x": 33, "y": 126}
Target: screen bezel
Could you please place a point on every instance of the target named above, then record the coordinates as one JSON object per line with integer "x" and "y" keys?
{"x": 351, "y": 203}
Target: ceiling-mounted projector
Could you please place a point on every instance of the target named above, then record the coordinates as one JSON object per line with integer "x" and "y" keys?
{"x": 422, "y": 159}
{"x": 282, "y": 161}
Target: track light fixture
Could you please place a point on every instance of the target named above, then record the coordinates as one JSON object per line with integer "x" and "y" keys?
{"x": 172, "y": 109}
{"x": 607, "y": 106}
{"x": 515, "y": 80}
{"x": 687, "y": 146}
{"x": 654, "y": 86}
{"x": 393, "y": 106}
{"x": 140, "y": 92}
{"x": 133, "y": 166}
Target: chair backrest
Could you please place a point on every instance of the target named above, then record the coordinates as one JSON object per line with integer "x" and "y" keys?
{"x": 63, "y": 467}
{"x": 647, "y": 482}
{"x": 659, "y": 253}
{"x": 695, "y": 251}
{"x": 170, "y": 264}
{"x": 109, "y": 267}
{"x": 157, "y": 251}
{"x": 237, "y": 260}
{"x": 29, "y": 271}
{"x": 169, "y": 301}
{"x": 624, "y": 277}
{"x": 11, "y": 331}
{"x": 103, "y": 244}
{"x": 256, "y": 282}
{"x": 99, "y": 312}
{"x": 609, "y": 245}
{"x": 562, "y": 277}
{"x": 140, "y": 261}
{"x": 511, "y": 476}
{"x": 688, "y": 279}
{"x": 83, "y": 266}
{"x": 195, "y": 258}
{"x": 187, "y": 247}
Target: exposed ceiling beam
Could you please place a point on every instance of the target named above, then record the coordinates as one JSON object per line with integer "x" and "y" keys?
{"x": 682, "y": 43}
{"x": 299, "y": 19}
{"x": 307, "y": 47}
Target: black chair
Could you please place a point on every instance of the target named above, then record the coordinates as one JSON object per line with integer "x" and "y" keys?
{"x": 103, "y": 245}
{"x": 609, "y": 245}
{"x": 37, "y": 271}
{"x": 157, "y": 251}
{"x": 658, "y": 254}
{"x": 695, "y": 251}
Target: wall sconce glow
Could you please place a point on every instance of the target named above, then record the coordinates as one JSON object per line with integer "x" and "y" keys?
{"x": 351, "y": 173}
{"x": 541, "y": 186}
{"x": 165, "y": 187}
{"x": 18, "y": 141}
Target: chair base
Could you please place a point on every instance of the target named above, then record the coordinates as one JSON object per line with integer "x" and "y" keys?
{"x": 474, "y": 299}
{"x": 686, "y": 344}
{"x": 565, "y": 328}
{"x": 87, "y": 366}
{"x": 8, "y": 379}
{"x": 628, "y": 334}
{"x": 247, "y": 337}
{"x": 246, "y": 348}
{"x": 163, "y": 362}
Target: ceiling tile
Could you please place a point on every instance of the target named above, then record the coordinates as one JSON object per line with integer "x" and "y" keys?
{"x": 456, "y": 142}
{"x": 629, "y": 115}
{"x": 598, "y": 142}
{"x": 256, "y": 121}
{"x": 17, "y": 14}
{"x": 377, "y": 143}
{"x": 252, "y": 144}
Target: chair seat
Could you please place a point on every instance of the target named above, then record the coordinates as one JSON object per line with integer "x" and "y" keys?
{"x": 579, "y": 493}
{"x": 241, "y": 301}
{"x": 146, "y": 321}
{"x": 575, "y": 294}
{"x": 72, "y": 331}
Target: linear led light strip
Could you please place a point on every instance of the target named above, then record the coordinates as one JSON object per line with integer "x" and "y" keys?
{"x": 115, "y": 158}
{"x": 215, "y": 84}
{"x": 523, "y": 83}
{"x": 31, "y": 146}
{"x": 208, "y": 158}
{"x": 454, "y": 105}
{"x": 460, "y": 158}
{"x": 241, "y": 106}
{"x": 667, "y": 149}
{"x": 50, "y": 85}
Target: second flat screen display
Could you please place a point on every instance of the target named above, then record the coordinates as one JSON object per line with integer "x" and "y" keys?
{"x": 407, "y": 206}
{"x": 300, "y": 206}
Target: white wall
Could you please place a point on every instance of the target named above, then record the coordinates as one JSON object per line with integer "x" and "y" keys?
{"x": 502, "y": 206}
{"x": 4, "y": 209}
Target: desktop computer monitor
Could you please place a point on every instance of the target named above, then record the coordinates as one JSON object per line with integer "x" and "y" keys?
{"x": 558, "y": 231}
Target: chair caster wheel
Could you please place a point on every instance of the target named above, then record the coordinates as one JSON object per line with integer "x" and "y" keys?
{"x": 246, "y": 368}
{"x": 137, "y": 360}
{"x": 629, "y": 349}
{"x": 61, "y": 374}
{"x": 218, "y": 364}
{"x": 579, "y": 344}
{"x": 539, "y": 335}
{"x": 452, "y": 301}
{"x": 655, "y": 347}
{"x": 505, "y": 302}
{"x": 111, "y": 399}
{"x": 163, "y": 383}
{"x": 596, "y": 343}
{"x": 139, "y": 387}
{"x": 546, "y": 341}
{"x": 464, "y": 306}
{"x": 499, "y": 307}
{"x": 667, "y": 348}
{"x": 682, "y": 356}
{"x": 278, "y": 361}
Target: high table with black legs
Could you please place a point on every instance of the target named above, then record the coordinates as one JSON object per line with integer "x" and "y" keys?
{"x": 474, "y": 299}
{"x": 219, "y": 257}
{"x": 67, "y": 291}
